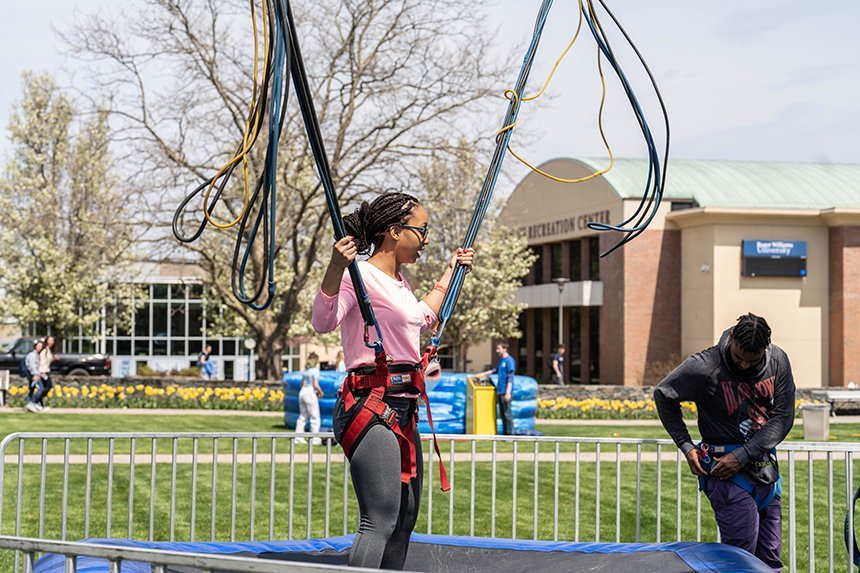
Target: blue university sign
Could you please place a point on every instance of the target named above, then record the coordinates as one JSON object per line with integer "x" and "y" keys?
{"x": 775, "y": 249}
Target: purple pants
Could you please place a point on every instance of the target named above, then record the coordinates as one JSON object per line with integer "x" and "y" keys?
{"x": 743, "y": 525}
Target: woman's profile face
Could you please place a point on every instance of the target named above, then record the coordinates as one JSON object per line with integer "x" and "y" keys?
{"x": 412, "y": 237}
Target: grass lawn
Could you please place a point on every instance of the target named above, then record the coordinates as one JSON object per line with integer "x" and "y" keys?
{"x": 317, "y": 512}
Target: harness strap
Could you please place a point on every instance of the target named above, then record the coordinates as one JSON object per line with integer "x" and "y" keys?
{"x": 761, "y": 501}
{"x": 374, "y": 405}
{"x": 429, "y": 353}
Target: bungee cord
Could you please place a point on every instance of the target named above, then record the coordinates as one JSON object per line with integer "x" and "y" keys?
{"x": 645, "y": 212}
{"x": 512, "y": 94}
{"x": 283, "y": 62}
{"x": 502, "y": 138}
{"x": 654, "y": 186}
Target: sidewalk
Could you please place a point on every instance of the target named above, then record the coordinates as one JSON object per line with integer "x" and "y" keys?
{"x": 194, "y": 412}
{"x": 797, "y": 422}
{"x": 157, "y": 411}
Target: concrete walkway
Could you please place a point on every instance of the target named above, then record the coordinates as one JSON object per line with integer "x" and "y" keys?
{"x": 149, "y": 411}
{"x": 194, "y": 412}
{"x": 622, "y": 422}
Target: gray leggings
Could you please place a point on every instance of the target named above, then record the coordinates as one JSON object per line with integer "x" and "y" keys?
{"x": 388, "y": 507}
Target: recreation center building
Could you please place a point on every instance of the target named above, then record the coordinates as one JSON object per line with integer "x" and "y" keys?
{"x": 781, "y": 240}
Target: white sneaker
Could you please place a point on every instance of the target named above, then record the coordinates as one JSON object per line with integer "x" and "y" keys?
{"x": 317, "y": 442}
{"x": 32, "y": 407}
{"x": 44, "y": 408}
{"x": 300, "y": 441}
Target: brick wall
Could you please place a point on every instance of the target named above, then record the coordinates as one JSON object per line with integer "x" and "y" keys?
{"x": 641, "y": 316}
{"x": 844, "y": 281}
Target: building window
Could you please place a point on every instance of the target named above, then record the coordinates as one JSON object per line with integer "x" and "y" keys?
{"x": 594, "y": 258}
{"x": 681, "y": 205}
{"x": 594, "y": 342}
{"x": 575, "y": 261}
{"x": 159, "y": 292}
{"x": 290, "y": 359}
{"x": 574, "y": 351}
{"x": 556, "y": 260}
{"x": 537, "y": 268}
{"x": 177, "y": 320}
{"x": 522, "y": 343}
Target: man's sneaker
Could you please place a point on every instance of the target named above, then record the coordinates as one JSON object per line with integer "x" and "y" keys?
{"x": 44, "y": 408}
{"x": 32, "y": 407}
{"x": 317, "y": 442}
{"x": 300, "y": 441}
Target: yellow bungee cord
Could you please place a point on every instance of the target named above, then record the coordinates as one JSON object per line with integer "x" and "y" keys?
{"x": 251, "y": 132}
{"x": 512, "y": 95}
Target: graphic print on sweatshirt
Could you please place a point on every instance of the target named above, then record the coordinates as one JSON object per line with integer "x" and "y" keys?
{"x": 748, "y": 402}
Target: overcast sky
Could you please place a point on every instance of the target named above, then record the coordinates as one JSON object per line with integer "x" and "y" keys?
{"x": 762, "y": 80}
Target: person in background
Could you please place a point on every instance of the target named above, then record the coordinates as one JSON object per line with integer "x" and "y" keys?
{"x": 744, "y": 391}
{"x": 309, "y": 395}
{"x": 207, "y": 367}
{"x": 37, "y": 389}
{"x": 340, "y": 363}
{"x": 46, "y": 357}
{"x": 558, "y": 366}
{"x": 504, "y": 386}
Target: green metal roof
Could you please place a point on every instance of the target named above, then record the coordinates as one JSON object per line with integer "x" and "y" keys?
{"x": 743, "y": 184}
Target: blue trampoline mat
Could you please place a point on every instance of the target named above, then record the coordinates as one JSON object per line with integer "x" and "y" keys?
{"x": 475, "y": 554}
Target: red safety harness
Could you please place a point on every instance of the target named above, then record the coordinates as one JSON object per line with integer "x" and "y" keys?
{"x": 373, "y": 407}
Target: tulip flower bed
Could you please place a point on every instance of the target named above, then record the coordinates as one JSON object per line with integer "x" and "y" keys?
{"x": 169, "y": 396}
{"x": 596, "y": 408}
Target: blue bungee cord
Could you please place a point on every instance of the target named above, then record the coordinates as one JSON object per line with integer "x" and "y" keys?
{"x": 287, "y": 63}
{"x": 490, "y": 179}
{"x": 651, "y": 199}
{"x": 277, "y": 105}
{"x": 309, "y": 116}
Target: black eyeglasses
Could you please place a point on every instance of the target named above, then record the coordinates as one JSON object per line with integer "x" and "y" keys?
{"x": 422, "y": 230}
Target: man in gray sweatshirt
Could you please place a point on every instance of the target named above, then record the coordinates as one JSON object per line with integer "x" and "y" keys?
{"x": 744, "y": 392}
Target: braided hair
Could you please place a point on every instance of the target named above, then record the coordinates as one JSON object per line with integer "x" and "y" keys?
{"x": 752, "y": 333}
{"x": 369, "y": 223}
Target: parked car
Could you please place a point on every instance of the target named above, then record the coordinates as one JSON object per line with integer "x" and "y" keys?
{"x": 66, "y": 364}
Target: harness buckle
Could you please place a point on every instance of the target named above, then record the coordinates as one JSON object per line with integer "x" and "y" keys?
{"x": 389, "y": 416}
{"x": 706, "y": 455}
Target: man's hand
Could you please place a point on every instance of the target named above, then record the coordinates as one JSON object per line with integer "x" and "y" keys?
{"x": 694, "y": 459}
{"x": 507, "y": 396}
{"x": 726, "y": 467}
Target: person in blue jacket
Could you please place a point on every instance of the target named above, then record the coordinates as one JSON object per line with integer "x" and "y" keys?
{"x": 506, "y": 369}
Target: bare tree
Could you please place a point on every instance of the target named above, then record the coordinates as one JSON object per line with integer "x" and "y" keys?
{"x": 393, "y": 81}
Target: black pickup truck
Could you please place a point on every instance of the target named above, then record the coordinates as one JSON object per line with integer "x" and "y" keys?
{"x": 67, "y": 364}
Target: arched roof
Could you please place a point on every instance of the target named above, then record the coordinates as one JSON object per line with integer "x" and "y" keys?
{"x": 740, "y": 184}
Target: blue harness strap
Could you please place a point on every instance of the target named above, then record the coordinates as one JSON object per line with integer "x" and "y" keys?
{"x": 739, "y": 479}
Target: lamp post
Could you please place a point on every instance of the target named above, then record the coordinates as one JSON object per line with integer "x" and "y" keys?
{"x": 250, "y": 344}
{"x": 561, "y": 281}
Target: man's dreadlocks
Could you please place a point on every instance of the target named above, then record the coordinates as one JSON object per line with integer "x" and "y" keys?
{"x": 752, "y": 333}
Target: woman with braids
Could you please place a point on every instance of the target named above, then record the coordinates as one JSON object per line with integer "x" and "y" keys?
{"x": 744, "y": 391}
{"x": 393, "y": 230}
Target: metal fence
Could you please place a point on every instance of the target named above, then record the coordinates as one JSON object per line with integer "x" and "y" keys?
{"x": 159, "y": 560}
{"x": 230, "y": 487}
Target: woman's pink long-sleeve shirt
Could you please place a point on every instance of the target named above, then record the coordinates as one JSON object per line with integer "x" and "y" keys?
{"x": 401, "y": 316}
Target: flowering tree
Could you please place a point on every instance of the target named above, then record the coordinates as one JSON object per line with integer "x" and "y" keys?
{"x": 66, "y": 230}
{"x": 486, "y": 308}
